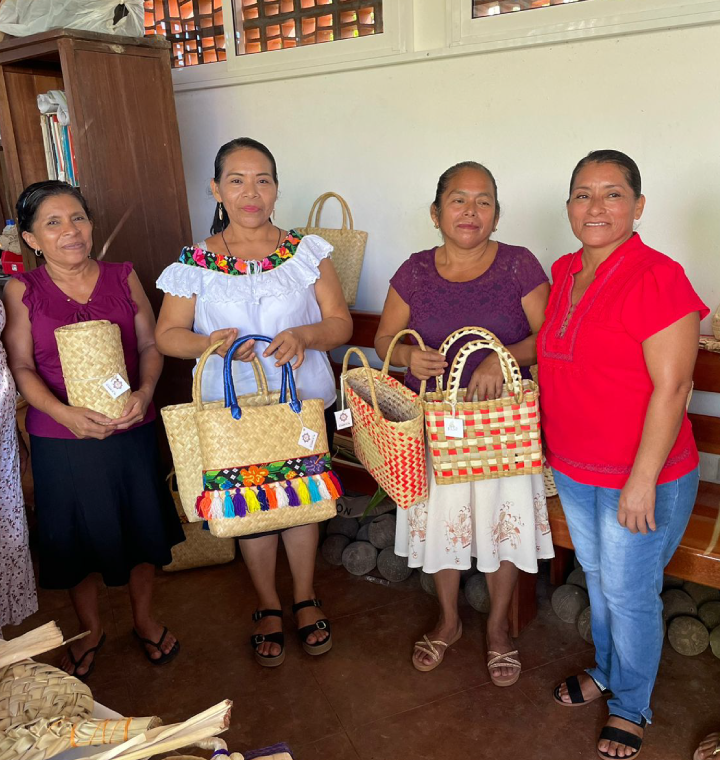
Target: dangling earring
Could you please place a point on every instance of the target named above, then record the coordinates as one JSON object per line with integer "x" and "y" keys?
{"x": 38, "y": 252}
{"x": 220, "y": 211}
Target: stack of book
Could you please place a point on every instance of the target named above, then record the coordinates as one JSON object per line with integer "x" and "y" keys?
{"x": 57, "y": 137}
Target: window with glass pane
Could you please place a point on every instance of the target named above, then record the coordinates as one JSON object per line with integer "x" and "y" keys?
{"x": 262, "y": 25}
{"x": 193, "y": 27}
{"x": 483, "y": 8}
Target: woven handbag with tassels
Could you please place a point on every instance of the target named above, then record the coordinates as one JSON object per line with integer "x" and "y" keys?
{"x": 266, "y": 467}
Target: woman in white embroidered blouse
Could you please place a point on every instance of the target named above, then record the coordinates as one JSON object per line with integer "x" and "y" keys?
{"x": 252, "y": 277}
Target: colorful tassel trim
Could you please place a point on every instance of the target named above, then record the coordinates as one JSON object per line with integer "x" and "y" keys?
{"x": 238, "y": 502}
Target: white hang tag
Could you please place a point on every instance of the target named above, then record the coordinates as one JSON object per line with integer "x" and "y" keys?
{"x": 308, "y": 438}
{"x": 116, "y": 386}
{"x": 343, "y": 419}
{"x": 454, "y": 427}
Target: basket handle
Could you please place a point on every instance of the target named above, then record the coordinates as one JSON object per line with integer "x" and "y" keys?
{"x": 288, "y": 380}
{"x": 463, "y": 332}
{"x": 391, "y": 348}
{"x": 317, "y": 208}
{"x": 510, "y": 368}
{"x": 368, "y": 372}
{"x": 257, "y": 368}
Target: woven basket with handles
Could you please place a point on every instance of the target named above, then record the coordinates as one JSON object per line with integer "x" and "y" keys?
{"x": 182, "y": 433}
{"x": 348, "y": 244}
{"x": 716, "y": 324}
{"x": 501, "y": 437}
{"x": 267, "y": 467}
{"x": 91, "y": 353}
{"x": 388, "y": 426}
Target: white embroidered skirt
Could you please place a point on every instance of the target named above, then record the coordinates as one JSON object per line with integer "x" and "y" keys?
{"x": 492, "y": 520}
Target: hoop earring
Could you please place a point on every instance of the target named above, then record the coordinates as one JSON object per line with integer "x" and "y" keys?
{"x": 38, "y": 253}
{"x": 220, "y": 211}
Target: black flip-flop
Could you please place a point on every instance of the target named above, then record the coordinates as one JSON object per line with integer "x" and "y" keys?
{"x": 613, "y": 734}
{"x": 575, "y": 692}
{"x": 78, "y": 663}
{"x": 165, "y": 657}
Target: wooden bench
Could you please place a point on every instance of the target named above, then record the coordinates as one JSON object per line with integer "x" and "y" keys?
{"x": 698, "y": 556}
{"x": 523, "y": 607}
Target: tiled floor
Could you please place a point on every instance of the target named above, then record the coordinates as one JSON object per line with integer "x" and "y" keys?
{"x": 364, "y": 699}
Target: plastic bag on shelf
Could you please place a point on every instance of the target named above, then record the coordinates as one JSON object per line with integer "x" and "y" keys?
{"x": 21, "y": 18}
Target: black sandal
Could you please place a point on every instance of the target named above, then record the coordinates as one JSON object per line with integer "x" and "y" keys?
{"x": 613, "y": 734}
{"x": 78, "y": 663}
{"x": 268, "y": 660}
{"x": 575, "y": 692}
{"x": 165, "y": 657}
{"x": 323, "y": 624}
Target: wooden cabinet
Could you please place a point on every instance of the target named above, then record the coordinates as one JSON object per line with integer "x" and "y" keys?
{"x": 124, "y": 128}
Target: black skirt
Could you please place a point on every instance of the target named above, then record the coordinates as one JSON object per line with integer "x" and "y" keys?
{"x": 102, "y": 507}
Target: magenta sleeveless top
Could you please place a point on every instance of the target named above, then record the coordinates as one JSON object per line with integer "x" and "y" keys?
{"x": 49, "y": 308}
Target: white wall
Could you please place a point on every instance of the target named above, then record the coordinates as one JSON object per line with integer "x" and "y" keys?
{"x": 381, "y": 136}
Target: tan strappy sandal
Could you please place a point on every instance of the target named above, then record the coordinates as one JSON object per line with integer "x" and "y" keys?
{"x": 497, "y": 660}
{"x": 436, "y": 649}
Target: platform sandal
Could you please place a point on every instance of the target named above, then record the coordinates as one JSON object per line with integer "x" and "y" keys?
{"x": 268, "y": 660}
{"x": 614, "y": 734}
{"x": 323, "y": 624}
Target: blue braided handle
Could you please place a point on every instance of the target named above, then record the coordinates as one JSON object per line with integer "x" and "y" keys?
{"x": 288, "y": 380}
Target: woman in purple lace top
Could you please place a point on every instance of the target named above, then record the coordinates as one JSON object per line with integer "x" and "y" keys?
{"x": 100, "y": 500}
{"x": 503, "y": 524}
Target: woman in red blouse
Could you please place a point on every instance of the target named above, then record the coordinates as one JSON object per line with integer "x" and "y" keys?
{"x": 616, "y": 356}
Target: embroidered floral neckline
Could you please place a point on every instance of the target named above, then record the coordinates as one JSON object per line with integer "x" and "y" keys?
{"x": 195, "y": 256}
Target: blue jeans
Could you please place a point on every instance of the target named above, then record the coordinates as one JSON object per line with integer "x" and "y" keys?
{"x": 624, "y": 574}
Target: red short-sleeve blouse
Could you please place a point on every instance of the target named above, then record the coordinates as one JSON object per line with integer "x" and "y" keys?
{"x": 594, "y": 384}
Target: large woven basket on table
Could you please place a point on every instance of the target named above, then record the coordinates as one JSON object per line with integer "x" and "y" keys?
{"x": 501, "y": 437}
{"x": 256, "y": 474}
{"x": 91, "y": 353}
{"x": 388, "y": 426}
{"x": 348, "y": 244}
{"x": 182, "y": 433}
{"x": 200, "y": 548}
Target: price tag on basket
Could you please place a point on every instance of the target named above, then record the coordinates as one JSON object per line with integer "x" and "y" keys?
{"x": 454, "y": 427}
{"x": 116, "y": 386}
{"x": 308, "y": 438}
{"x": 343, "y": 419}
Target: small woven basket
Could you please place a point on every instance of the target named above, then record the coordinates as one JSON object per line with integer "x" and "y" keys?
{"x": 91, "y": 353}
{"x": 348, "y": 244}
{"x": 501, "y": 437}
{"x": 388, "y": 427}
{"x": 716, "y": 324}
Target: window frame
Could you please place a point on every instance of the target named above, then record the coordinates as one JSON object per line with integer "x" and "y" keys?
{"x": 574, "y": 21}
{"x": 395, "y": 40}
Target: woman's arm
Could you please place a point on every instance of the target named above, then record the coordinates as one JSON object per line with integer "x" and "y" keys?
{"x": 670, "y": 358}
{"x": 174, "y": 335}
{"x": 18, "y": 340}
{"x": 151, "y": 362}
{"x": 332, "y": 331}
{"x": 487, "y": 379}
{"x": 395, "y": 317}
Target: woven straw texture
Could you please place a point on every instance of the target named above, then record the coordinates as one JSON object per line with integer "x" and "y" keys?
{"x": 716, "y": 323}
{"x": 709, "y": 343}
{"x": 548, "y": 478}
{"x": 388, "y": 427}
{"x": 183, "y": 438}
{"x": 90, "y": 354}
{"x": 200, "y": 548}
{"x": 262, "y": 434}
{"x": 45, "y": 711}
{"x": 501, "y": 437}
{"x": 348, "y": 244}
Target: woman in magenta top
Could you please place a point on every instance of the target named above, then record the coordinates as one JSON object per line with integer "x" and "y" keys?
{"x": 616, "y": 356}
{"x": 100, "y": 499}
{"x": 470, "y": 280}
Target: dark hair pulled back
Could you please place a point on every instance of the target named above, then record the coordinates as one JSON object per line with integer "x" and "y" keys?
{"x": 218, "y": 224}
{"x": 626, "y": 165}
{"x": 448, "y": 174}
{"x": 33, "y": 196}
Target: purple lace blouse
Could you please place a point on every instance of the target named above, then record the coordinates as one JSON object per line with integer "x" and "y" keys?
{"x": 438, "y": 307}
